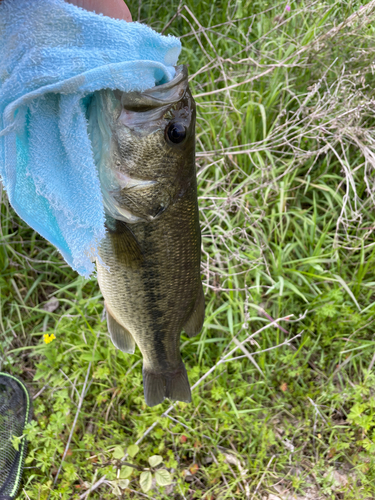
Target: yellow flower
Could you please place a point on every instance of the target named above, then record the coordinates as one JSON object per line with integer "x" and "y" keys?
{"x": 48, "y": 338}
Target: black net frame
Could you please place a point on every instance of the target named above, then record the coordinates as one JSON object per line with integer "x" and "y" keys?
{"x": 15, "y": 413}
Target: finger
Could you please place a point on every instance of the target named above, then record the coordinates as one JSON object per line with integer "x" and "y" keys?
{"x": 111, "y": 8}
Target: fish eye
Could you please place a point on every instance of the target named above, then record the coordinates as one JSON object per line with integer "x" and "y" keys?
{"x": 175, "y": 132}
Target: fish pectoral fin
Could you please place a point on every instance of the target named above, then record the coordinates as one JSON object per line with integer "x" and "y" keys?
{"x": 173, "y": 385}
{"x": 120, "y": 336}
{"x": 125, "y": 245}
{"x": 195, "y": 323}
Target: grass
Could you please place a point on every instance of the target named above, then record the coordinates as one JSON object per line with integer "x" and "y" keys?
{"x": 285, "y": 159}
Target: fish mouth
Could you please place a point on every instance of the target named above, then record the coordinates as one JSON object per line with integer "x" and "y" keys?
{"x": 158, "y": 96}
{"x": 145, "y": 112}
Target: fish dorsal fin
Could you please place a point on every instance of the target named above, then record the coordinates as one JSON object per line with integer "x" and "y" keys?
{"x": 120, "y": 336}
{"x": 124, "y": 244}
{"x": 195, "y": 322}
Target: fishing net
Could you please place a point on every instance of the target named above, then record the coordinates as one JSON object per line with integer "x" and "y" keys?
{"x": 15, "y": 413}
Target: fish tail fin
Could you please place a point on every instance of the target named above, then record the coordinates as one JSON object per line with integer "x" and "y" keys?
{"x": 177, "y": 385}
{"x": 153, "y": 387}
{"x": 173, "y": 385}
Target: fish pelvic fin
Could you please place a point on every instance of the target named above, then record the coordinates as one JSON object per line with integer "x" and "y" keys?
{"x": 120, "y": 336}
{"x": 195, "y": 322}
{"x": 173, "y": 385}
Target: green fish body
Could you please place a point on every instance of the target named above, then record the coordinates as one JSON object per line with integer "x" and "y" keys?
{"x": 149, "y": 265}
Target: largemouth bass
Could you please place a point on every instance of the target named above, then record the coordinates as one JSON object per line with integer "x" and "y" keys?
{"x": 149, "y": 265}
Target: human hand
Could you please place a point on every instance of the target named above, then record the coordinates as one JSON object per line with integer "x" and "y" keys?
{"x": 111, "y": 8}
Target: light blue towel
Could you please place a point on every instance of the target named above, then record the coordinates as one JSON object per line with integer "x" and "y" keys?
{"x": 53, "y": 55}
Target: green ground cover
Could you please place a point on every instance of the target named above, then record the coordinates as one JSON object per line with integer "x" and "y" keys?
{"x": 285, "y": 159}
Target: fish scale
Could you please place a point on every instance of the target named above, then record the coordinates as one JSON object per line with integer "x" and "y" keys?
{"x": 149, "y": 266}
{"x": 142, "y": 314}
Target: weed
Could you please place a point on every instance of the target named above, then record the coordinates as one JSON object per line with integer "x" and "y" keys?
{"x": 283, "y": 369}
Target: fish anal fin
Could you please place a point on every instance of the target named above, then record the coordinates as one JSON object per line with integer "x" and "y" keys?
{"x": 120, "y": 336}
{"x": 173, "y": 385}
{"x": 195, "y": 322}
